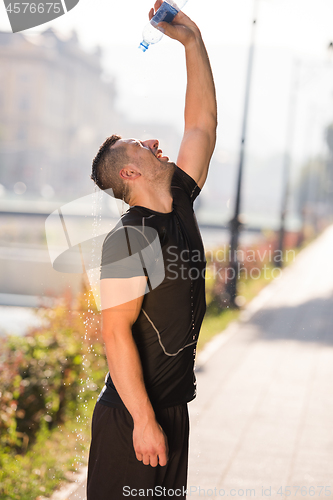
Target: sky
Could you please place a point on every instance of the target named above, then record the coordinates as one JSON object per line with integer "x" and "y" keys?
{"x": 151, "y": 86}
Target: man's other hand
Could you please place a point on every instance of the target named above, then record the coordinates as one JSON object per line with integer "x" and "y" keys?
{"x": 150, "y": 443}
{"x": 182, "y": 28}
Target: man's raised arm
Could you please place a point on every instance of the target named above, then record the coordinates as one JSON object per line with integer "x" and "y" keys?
{"x": 200, "y": 106}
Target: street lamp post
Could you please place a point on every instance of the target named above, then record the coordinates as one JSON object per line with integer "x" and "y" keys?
{"x": 235, "y": 223}
{"x": 287, "y": 156}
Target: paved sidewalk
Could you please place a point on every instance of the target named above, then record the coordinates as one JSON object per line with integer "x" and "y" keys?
{"x": 263, "y": 416}
{"x": 264, "y": 412}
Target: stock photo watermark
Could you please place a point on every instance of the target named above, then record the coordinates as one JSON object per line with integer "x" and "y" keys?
{"x": 254, "y": 264}
{"x": 264, "y": 491}
{"x": 25, "y": 15}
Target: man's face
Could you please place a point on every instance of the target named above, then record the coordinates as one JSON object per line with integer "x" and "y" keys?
{"x": 144, "y": 152}
{"x": 148, "y": 160}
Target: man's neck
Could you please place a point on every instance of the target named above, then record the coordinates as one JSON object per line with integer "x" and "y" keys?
{"x": 154, "y": 201}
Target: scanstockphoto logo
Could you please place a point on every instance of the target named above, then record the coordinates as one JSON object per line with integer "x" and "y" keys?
{"x": 25, "y": 15}
{"x": 75, "y": 246}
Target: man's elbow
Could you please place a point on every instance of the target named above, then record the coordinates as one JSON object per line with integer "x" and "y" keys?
{"x": 213, "y": 135}
{"x": 108, "y": 334}
{"x": 210, "y": 125}
{"x": 110, "y": 330}
{"x": 115, "y": 332}
{"x": 214, "y": 120}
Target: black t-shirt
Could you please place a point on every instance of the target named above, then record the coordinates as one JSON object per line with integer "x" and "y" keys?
{"x": 167, "y": 328}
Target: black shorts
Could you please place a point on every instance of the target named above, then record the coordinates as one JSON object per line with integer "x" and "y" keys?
{"x": 114, "y": 472}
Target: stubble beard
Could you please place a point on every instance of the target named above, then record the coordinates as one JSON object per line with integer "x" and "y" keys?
{"x": 162, "y": 174}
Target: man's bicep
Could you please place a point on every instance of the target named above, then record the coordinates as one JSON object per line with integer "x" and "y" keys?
{"x": 121, "y": 300}
{"x": 195, "y": 153}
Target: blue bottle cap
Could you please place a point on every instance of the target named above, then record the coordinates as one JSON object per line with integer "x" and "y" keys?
{"x": 143, "y": 46}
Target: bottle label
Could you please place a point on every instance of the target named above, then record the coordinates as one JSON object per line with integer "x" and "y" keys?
{"x": 165, "y": 13}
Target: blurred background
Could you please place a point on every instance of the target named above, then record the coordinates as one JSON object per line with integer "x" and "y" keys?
{"x": 68, "y": 84}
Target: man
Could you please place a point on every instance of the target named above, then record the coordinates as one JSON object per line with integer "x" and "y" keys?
{"x": 151, "y": 319}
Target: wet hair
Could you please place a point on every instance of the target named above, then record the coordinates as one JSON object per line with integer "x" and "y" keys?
{"x": 106, "y": 167}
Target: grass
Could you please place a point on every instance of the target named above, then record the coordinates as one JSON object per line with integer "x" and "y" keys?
{"x": 49, "y": 462}
{"x": 213, "y": 324}
{"x": 39, "y": 471}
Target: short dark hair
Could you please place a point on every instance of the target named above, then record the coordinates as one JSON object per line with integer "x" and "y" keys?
{"x": 106, "y": 166}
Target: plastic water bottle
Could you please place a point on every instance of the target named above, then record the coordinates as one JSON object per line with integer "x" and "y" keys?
{"x": 166, "y": 13}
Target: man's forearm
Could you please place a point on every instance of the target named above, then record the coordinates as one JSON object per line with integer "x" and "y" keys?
{"x": 126, "y": 372}
{"x": 149, "y": 441}
{"x": 200, "y": 104}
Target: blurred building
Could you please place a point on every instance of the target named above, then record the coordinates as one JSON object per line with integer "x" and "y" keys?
{"x": 55, "y": 110}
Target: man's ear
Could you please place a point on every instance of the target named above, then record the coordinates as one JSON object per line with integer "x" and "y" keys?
{"x": 130, "y": 172}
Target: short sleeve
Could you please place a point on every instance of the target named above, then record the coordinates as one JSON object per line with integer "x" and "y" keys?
{"x": 185, "y": 182}
{"x": 132, "y": 251}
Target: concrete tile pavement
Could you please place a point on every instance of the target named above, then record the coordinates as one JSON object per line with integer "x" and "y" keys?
{"x": 262, "y": 420}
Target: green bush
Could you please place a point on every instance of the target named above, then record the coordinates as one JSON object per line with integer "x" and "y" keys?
{"x": 44, "y": 375}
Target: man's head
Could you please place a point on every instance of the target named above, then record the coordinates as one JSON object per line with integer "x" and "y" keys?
{"x": 106, "y": 166}
{"x": 127, "y": 165}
